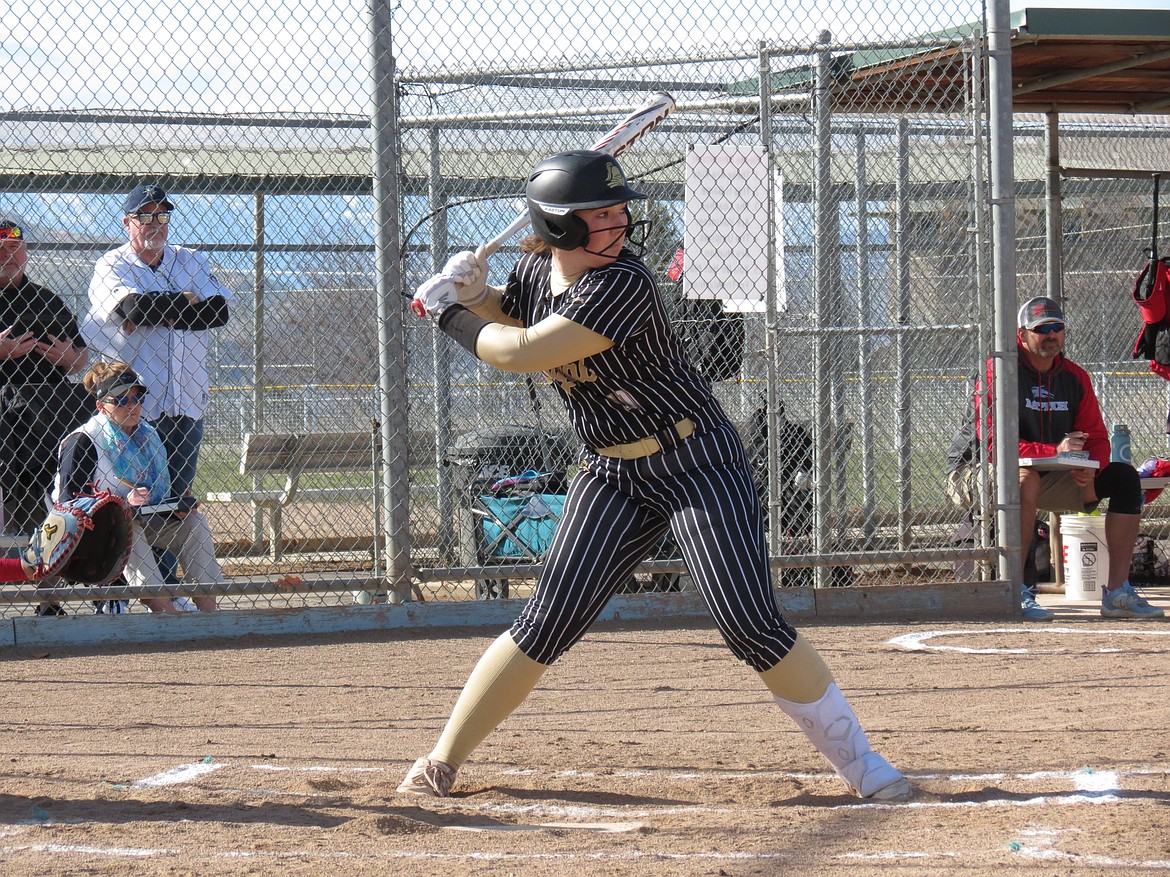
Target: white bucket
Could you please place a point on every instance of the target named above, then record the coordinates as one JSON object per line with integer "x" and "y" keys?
{"x": 1086, "y": 556}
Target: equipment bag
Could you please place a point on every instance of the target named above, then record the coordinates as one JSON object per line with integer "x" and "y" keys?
{"x": 1153, "y": 299}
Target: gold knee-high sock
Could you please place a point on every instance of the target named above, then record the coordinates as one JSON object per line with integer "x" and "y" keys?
{"x": 800, "y": 676}
{"x": 499, "y": 683}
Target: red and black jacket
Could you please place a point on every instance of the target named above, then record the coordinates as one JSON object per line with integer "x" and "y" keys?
{"x": 1051, "y": 404}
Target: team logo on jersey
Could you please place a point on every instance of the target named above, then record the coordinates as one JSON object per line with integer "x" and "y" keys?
{"x": 1042, "y": 400}
{"x": 570, "y": 375}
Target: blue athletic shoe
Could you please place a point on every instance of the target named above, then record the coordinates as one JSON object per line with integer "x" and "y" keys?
{"x": 1125, "y": 602}
{"x": 1030, "y": 609}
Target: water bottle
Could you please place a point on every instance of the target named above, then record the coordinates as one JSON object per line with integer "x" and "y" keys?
{"x": 1122, "y": 450}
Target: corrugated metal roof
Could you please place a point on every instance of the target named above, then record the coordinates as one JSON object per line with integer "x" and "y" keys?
{"x": 1068, "y": 60}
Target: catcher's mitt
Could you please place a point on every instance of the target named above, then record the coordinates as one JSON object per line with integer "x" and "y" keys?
{"x": 85, "y": 539}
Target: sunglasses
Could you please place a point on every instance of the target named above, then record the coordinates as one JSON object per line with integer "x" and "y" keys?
{"x": 125, "y": 400}
{"x": 1049, "y": 328}
{"x": 11, "y": 233}
{"x": 151, "y": 218}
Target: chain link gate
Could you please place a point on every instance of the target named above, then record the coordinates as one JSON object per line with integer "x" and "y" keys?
{"x": 834, "y": 311}
{"x": 335, "y": 418}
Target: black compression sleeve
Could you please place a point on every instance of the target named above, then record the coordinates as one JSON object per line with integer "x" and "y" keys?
{"x": 462, "y": 325}
{"x": 207, "y": 314}
{"x": 154, "y": 309}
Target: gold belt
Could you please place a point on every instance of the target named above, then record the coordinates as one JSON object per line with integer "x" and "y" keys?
{"x": 644, "y": 447}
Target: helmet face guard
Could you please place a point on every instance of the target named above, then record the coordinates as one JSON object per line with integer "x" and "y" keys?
{"x": 635, "y": 239}
{"x": 571, "y": 181}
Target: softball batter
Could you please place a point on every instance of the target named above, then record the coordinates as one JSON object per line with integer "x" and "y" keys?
{"x": 659, "y": 452}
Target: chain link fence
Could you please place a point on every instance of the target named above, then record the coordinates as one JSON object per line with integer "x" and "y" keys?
{"x": 858, "y": 306}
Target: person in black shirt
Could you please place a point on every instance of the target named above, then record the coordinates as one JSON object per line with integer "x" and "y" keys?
{"x": 40, "y": 347}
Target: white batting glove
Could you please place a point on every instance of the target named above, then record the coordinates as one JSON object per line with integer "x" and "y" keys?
{"x": 463, "y": 268}
{"x": 434, "y": 297}
{"x": 469, "y": 271}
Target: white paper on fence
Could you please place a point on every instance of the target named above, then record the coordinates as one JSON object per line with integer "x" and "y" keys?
{"x": 725, "y": 218}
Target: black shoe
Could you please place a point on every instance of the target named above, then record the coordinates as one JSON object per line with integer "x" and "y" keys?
{"x": 50, "y": 609}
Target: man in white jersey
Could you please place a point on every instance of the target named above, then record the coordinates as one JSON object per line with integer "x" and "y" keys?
{"x": 659, "y": 453}
{"x": 151, "y": 304}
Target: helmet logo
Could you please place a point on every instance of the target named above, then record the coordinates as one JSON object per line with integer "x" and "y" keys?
{"x": 554, "y": 209}
{"x": 613, "y": 176}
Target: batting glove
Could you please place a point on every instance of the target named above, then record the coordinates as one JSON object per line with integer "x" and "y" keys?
{"x": 469, "y": 271}
{"x": 463, "y": 267}
{"x": 434, "y": 297}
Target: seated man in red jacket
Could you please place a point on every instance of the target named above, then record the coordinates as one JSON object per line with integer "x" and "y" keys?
{"x": 1059, "y": 413}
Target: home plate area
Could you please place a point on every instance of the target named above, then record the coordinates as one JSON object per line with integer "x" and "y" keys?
{"x": 1034, "y": 749}
{"x": 218, "y": 816}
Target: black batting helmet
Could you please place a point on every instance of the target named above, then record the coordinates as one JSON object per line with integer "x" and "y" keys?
{"x": 570, "y": 181}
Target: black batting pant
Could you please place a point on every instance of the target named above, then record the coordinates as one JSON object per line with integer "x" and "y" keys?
{"x": 617, "y": 511}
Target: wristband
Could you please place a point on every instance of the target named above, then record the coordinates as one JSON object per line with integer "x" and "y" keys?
{"x": 462, "y": 325}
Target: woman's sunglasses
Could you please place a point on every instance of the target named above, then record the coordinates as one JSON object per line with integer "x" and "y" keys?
{"x": 125, "y": 400}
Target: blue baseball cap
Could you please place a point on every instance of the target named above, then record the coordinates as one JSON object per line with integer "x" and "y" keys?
{"x": 146, "y": 193}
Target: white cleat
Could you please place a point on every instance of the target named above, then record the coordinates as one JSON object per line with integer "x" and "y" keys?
{"x": 875, "y": 779}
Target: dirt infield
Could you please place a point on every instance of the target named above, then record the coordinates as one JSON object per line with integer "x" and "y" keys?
{"x": 1036, "y": 749}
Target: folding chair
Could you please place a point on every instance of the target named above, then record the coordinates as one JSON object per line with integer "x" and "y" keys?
{"x": 517, "y": 522}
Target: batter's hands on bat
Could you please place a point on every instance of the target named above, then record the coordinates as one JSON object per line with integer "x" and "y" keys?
{"x": 434, "y": 297}
{"x": 469, "y": 271}
{"x": 463, "y": 281}
{"x": 463, "y": 267}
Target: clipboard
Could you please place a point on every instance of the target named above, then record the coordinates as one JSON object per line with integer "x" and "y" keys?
{"x": 1059, "y": 461}
{"x": 167, "y": 506}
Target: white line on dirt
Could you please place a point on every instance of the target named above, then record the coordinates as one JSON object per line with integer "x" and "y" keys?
{"x": 322, "y": 768}
{"x": 600, "y": 827}
{"x": 132, "y": 852}
{"x": 1105, "y": 781}
{"x": 918, "y": 642}
{"x": 181, "y": 774}
{"x": 1081, "y": 859}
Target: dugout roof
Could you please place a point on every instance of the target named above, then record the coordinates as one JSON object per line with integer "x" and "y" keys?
{"x": 1067, "y": 60}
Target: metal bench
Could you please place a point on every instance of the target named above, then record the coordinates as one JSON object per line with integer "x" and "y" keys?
{"x": 291, "y": 456}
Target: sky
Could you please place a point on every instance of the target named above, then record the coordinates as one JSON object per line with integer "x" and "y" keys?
{"x": 286, "y": 56}
{"x": 246, "y": 56}
{"x": 296, "y": 56}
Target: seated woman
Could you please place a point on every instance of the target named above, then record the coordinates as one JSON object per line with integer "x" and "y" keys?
{"x": 116, "y": 450}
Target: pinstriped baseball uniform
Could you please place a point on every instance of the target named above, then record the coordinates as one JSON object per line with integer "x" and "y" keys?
{"x": 617, "y": 510}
